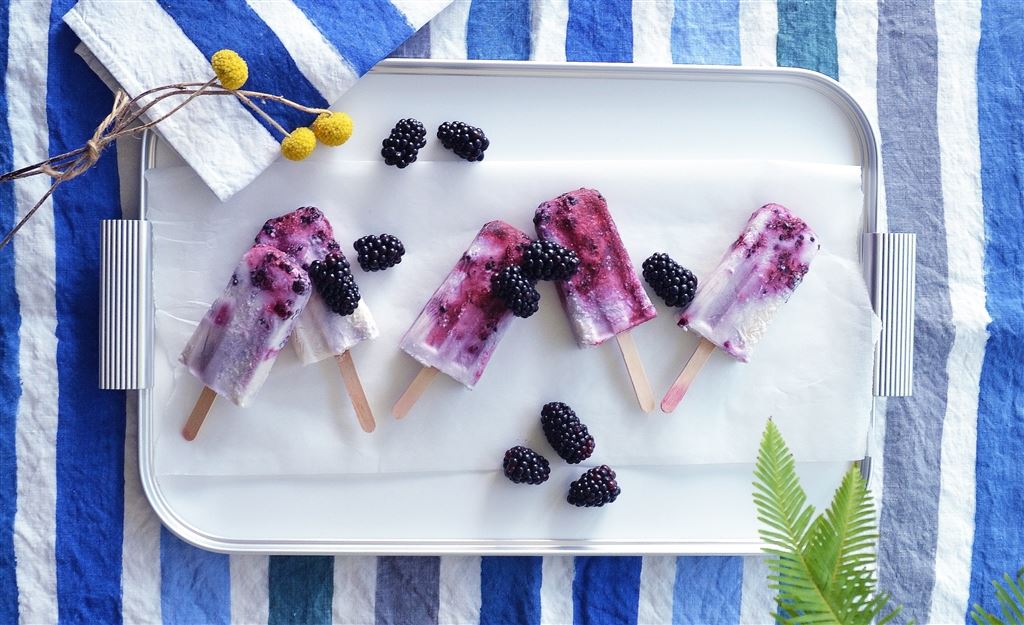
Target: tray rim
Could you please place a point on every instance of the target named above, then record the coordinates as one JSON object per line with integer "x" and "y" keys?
{"x": 867, "y": 140}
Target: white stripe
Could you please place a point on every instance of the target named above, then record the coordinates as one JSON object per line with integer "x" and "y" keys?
{"x": 757, "y": 602}
{"x": 652, "y": 32}
{"x": 958, "y": 25}
{"x": 243, "y": 147}
{"x": 419, "y": 12}
{"x": 657, "y": 586}
{"x": 448, "y": 31}
{"x": 317, "y": 59}
{"x": 557, "y": 573}
{"x": 250, "y": 598}
{"x": 459, "y": 590}
{"x": 759, "y": 27}
{"x": 355, "y": 590}
{"x": 549, "y": 20}
{"x": 140, "y": 560}
{"x": 34, "y": 271}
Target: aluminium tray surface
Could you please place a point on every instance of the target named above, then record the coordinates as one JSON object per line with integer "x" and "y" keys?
{"x": 724, "y": 113}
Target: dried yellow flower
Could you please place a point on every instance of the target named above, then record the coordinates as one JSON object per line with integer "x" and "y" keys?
{"x": 332, "y": 128}
{"x": 231, "y": 70}
{"x": 299, "y": 144}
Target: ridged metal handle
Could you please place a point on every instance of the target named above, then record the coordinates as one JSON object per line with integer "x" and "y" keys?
{"x": 124, "y": 304}
{"x": 891, "y": 258}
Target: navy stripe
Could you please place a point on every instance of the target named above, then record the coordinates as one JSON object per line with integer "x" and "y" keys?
{"x": 606, "y": 590}
{"x": 599, "y": 31}
{"x": 195, "y": 585}
{"x": 907, "y": 100}
{"x": 707, "y": 590}
{"x": 998, "y": 538}
{"x": 510, "y": 590}
{"x": 706, "y": 31}
{"x": 807, "y": 35}
{"x": 90, "y": 427}
{"x": 407, "y": 590}
{"x": 301, "y": 589}
{"x": 232, "y": 24}
{"x": 10, "y": 381}
{"x": 363, "y": 32}
{"x": 498, "y": 30}
{"x": 415, "y": 47}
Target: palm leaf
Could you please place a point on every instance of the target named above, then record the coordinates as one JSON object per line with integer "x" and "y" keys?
{"x": 1011, "y": 603}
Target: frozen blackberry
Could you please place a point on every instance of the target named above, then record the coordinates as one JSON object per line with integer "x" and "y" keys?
{"x": 544, "y": 260}
{"x": 466, "y": 141}
{"x": 671, "y": 281}
{"x": 516, "y": 290}
{"x": 595, "y": 488}
{"x": 568, "y": 436}
{"x": 377, "y": 253}
{"x": 404, "y": 143}
{"x": 523, "y": 465}
{"x": 333, "y": 279}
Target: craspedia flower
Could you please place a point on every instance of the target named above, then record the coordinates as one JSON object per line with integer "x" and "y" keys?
{"x": 298, "y": 144}
{"x": 332, "y": 128}
{"x": 231, "y": 70}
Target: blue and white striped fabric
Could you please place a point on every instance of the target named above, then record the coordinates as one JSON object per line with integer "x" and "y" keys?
{"x": 942, "y": 80}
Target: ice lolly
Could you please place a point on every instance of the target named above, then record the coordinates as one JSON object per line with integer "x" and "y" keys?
{"x": 605, "y": 297}
{"x": 307, "y": 235}
{"x": 462, "y": 323}
{"x": 237, "y": 341}
{"x": 735, "y": 304}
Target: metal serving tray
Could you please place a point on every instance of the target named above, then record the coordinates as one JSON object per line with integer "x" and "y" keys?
{"x": 723, "y": 112}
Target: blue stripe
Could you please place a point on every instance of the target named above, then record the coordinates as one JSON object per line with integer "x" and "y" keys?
{"x": 408, "y": 590}
{"x": 10, "y": 382}
{"x": 195, "y": 585}
{"x": 363, "y": 32}
{"x": 301, "y": 589}
{"x": 599, "y": 31}
{"x": 90, "y": 430}
{"x": 232, "y": 24}
{"x": 998, "y": 537}
{"x": 415, "y": 47}
{"x": 707, "y": 590}
{"x": 510, "y": 590}
{"x": 706, "y": 32}
{"x": 498, "y": 30}
{"x": 606, "y": 590}
{"x": 807, "y": 35}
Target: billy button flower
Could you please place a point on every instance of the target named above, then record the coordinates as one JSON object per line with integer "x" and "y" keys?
{"x": 332, "y": 128}
{"x": 231, "y": 70}
{"x": 298, "y": 144}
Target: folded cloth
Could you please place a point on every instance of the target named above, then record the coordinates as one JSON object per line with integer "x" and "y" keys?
{"x": 309, "y": 51}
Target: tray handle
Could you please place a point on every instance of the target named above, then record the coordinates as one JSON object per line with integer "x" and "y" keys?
{"x": 124, "y": 304}
{"x": 892, "y": 258}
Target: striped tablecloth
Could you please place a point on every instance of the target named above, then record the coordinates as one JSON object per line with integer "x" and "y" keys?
{"x": 943, "y": 80}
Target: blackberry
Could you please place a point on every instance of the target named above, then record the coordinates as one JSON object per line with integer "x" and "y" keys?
{"x": 333, "y": 279}
{"x": 671, "y": 281}
{"x": 595, "y": 488}
{"x": 377, "y": 253}
{"x": 567, "y": 435}
{"x": 516, "y": 290}
{"x": 466, "y": 141}
{"x": 544, "y": 260}
{"x": 404, "y": 143}
{"x": 523, "y": 465}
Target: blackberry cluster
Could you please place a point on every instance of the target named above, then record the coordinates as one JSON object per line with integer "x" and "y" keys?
{"x": 516, "y": 290}
{"x": 523, "y": 465}
{"x": 377, "y": 253}
{"x": 671, "y": 281}
{"x": 466, "y": 141}
{"x": 404, "y": 143}
{"x": 544, "y": 260}
{"x": 595, "y": 488}
{"x": 333, "y": 280}
{"x": 567, "y": 435}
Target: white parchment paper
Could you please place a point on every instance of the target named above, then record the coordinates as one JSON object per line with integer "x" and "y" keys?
{"x": 811, "y": 373}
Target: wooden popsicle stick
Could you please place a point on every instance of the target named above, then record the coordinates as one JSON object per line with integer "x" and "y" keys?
{"x": 355, "y": 392}
{"x": 199, "y": 411}
{"x": 635, "y": 367}
{"x": 682, "y": 384}
{"x": 413, "y": 392}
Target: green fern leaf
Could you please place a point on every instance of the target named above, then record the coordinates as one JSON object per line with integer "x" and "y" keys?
{"x": 1011, "y": 603}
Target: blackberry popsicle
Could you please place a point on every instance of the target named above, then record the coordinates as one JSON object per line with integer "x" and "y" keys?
{"x": 734, "y": 305}
{"x": 605, "y": 297}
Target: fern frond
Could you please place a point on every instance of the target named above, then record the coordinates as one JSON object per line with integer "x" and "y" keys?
{"x": 1011, "y": 603}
